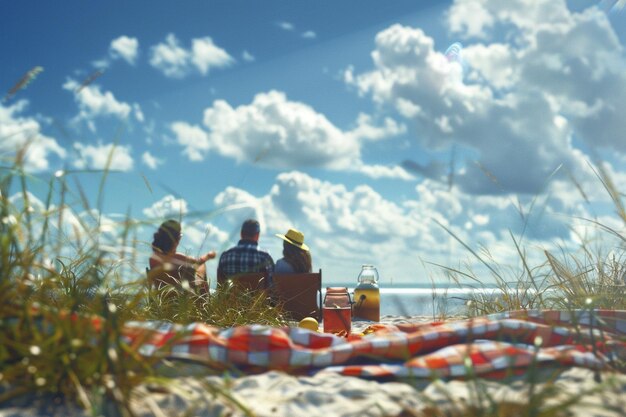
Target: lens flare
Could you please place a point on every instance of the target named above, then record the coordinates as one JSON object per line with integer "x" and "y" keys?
{"x": 453, "y": 53}
{"x": 612, "y": 6}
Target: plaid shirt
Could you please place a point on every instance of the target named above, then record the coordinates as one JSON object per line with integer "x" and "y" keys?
{"x": 245, "y": 257}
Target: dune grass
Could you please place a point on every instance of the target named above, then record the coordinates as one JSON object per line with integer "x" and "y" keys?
{"x": 66, "y": 294}
{"x": 565, "y": 280}
{"x": 582, "y": 281}
{"x": 225, "y": 308}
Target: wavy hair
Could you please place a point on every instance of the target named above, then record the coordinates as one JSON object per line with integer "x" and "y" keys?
{"x": 166, "y": 237}
{"x": 299, "y": 259}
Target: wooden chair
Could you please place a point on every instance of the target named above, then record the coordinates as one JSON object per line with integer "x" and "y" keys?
{"x": 250, "y": 281}
{"x": 300, "y": 295}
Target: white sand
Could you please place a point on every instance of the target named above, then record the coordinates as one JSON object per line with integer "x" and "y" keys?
{"x": 278, "y": 394}
{"x": 330, "y": 395}
{"x": 358, "y": 326}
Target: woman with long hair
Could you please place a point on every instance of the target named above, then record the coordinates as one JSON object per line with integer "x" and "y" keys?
{"x": 170, "y": 266}
{"x": 296, "y": 254}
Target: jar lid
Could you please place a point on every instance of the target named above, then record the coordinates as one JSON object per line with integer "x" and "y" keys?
{"x": 335, "y": 290}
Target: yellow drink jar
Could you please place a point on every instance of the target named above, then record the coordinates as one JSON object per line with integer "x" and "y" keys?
{"x": 367, "y": 295}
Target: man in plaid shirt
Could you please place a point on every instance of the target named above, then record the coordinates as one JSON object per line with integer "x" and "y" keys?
{"x": 246, "y": 256}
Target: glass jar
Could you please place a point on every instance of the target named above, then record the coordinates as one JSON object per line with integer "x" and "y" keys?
{"x": 367, "y": 295}
{"x": 337, "y": 311}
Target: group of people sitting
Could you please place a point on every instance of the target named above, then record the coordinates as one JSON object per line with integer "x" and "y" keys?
{"x": 174, "y": 268}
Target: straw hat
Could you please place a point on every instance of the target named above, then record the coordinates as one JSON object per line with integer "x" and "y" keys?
{"x": 295, "y": 237}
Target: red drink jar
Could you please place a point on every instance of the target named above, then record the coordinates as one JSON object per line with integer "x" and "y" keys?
{"x": 337, "y": 310}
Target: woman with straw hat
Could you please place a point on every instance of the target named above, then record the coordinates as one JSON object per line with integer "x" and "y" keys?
{"x": 296, "y": 255}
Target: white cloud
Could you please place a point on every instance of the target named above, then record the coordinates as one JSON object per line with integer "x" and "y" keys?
{"x": 488, "y": 14}
{"x": 574, "y": 59}
{"x": 366, "y": 129}
{"x": 101, "y": 64}
{"x": 76, "y": 229}
{"x": 101, "y": 156}
{"x": 126, "y": 48}
{"x": 309, "y": 34}
{"x": 194, "y": 140}
{"x": 349, "y": 226}
{"x": 275, "y": 132}
{"x": 138, "y": 113}
{"x": 168, "y": 206}
{"x": 286, "y": 26}
{"x": 521, "y": 102}
{"x": 93, "y": 103}
{"x": 359, "y": 212}
{"x": 19, "y": 133}
{"x": 170, "y": 57}
{"x": 201, "y": 237}
{"x": 475, "y": 27}
{"x": 206, "y": 55}
{"x": 494, "y": 63}
{"x": 235, "y": 205}
{"x": 150, "y": 160}
{"x": 382, "y": 171}
{"x": 177, "y": 62}
{"x": 247, "y": 56}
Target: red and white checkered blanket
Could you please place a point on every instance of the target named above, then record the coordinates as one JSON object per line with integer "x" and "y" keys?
{"x": 490, "y": 346}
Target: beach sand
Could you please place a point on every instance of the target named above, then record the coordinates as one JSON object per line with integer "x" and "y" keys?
{"x": 328, "y": 395}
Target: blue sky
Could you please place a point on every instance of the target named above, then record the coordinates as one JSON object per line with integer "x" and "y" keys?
{"x": 343, "y": 119}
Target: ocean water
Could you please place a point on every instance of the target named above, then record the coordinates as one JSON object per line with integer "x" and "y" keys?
{"x": 426, "y": 301}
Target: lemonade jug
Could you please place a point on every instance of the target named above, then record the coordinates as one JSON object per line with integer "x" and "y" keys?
{"x": 337, "y": 311}
{"x": 367, "y": 295}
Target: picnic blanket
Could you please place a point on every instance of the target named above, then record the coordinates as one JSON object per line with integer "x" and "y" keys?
{"x": 492, "y": 345}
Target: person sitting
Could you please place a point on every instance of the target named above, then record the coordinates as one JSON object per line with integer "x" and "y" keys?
{"x": 296, "y": 254}
{"x": 170, "y": 267}
{"x": 246, "y": 256}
